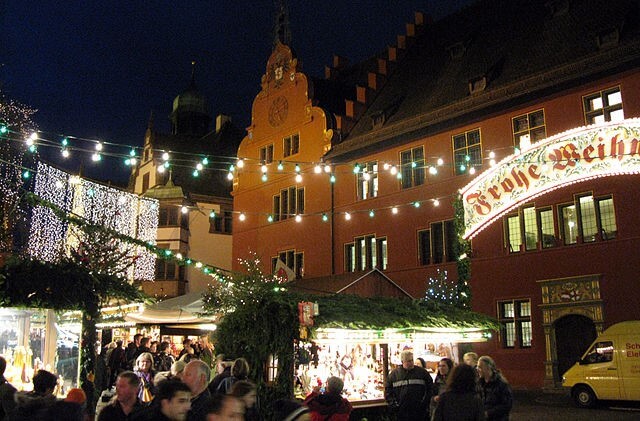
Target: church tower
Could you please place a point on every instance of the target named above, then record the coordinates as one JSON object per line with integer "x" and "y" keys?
{"x": 190, "y": 115}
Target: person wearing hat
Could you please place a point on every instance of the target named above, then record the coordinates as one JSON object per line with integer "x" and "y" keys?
{"x": 77, "y": 395}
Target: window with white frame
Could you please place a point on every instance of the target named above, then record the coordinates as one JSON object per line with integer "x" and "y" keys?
{"x": 467, "y": 151}
{"x": 412, "y": 167}
{"x": 367, "y": 180}
{"x": 515, "y": 321}
{"x": 603, "y": 106}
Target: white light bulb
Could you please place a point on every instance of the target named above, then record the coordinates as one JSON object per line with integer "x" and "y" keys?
{"x": 98, "y": 146}
{"x": 184, "y": 209}
{"x": 347, "y": 216}
{"x": 161, "y": 169}
{"x": 298, "y": 218}
{"x": 440, "y": 161}
{"x": 240, "y": 163}
{"x": 242, "y": 217}
{"x": 317, "y": 169}
{"x": 165, "y": 156}
{"x": 394, "y": 210}
{"x": 298, "y": 178}
{"x": 327, "y": 168}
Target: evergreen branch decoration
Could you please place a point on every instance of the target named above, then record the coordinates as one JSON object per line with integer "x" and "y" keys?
{"x": 462, "y": 249}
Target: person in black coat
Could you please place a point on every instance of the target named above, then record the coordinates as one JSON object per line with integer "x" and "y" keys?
{"x": 497, "y": 394}
{"x": 7, "y": 392}
{"x": 460, "y": 401}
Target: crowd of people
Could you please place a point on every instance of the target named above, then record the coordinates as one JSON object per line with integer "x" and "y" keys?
{"x": 151, "y": 384}
{"x": 472, "y": 391}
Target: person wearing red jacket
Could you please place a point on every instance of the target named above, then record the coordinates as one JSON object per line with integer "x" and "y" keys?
{"x": 329, "y": 406}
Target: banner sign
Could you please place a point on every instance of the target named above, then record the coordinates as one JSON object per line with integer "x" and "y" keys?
{"x": 577, "y": 155}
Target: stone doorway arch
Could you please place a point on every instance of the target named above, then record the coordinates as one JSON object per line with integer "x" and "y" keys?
{"x": 573, "y": 299}
{"x": 573, "y": 334}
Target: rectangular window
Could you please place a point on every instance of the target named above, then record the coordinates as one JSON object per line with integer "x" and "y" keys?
{"x": 437, "y": 242}
{"x": 168, "y": 270}
{"x": 607, "y": 218}
{"x": 569, "y": 224}
{"x": 145, "y": 182}
{"x": 292, "y": 259}
{"x": 530, "y": 228}
{"x": 366, "y": 253}
{"x": 349, "y": 258}
{"x": 467, "y": 151}
{"x": 412, "y": 167}
{"x": 515, "y": 320}
{"x": 547, "y": 229}
{"x": 266, "y": 154}
{"x": 603, "y": 106}
{"x": 449, "y": 240}
{"x": 221, "y": 222}
{"x": 513, "y": 235}
{"x": 288, "y": 203}
{"x": 588, "y": 219}
{"x": 291, "y": 145}
{"x": 529, "y": 128}
{"x": 168, "y": 216}
{"x": 368, "y": 181}
{"x": 424, "y": 247}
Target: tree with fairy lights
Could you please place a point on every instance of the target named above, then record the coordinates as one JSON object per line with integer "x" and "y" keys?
{"x": 106, "y": 261}
{"x": 441, "y": 289}
{"x": 15, "y": 124}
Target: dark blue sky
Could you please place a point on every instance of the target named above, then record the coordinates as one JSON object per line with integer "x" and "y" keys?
{"x": 96, "y": 69}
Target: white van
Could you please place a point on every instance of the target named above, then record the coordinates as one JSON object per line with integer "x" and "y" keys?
{"x": 610, "y": 369}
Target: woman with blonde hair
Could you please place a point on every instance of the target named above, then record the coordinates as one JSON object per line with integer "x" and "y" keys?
{"x": 145, "y": 372}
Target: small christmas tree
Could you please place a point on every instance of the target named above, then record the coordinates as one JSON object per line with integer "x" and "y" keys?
{"x": 442, "y": 290}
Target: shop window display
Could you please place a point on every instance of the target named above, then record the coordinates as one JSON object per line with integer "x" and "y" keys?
{"x": 362, "y": 366}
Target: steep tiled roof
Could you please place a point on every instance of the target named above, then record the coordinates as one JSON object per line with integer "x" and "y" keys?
{"x": 521, "y": 47}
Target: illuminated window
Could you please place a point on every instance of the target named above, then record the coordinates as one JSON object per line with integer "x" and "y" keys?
{"x": 366, "y": 253}
{"x": 530, "y": 228}
{"x": 412, "y": 167}
{"x": 529, "y": 128}
{"x": 547, "y": 229}
{"x": 569, "y": 223}
{"x": 515, "y": 321}
{"x": 288, "y": 203}
{"x": 266, "y": 154}
{"x": 368, "y": 181}
{"x": 513, "y": 234}
{"x": 467, "y": 151}
{"x": 291, "y": 145}
{"x": 603, "y": 106}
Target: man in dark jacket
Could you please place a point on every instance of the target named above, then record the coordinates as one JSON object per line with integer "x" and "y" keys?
{"x": 408, "y": 389}
{"x": 496, "y": 392}
{"x": 329, "y": 405}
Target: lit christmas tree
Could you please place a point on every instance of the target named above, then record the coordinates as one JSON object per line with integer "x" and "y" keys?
{"x": 15, "y": 125}
{"x": 442, "y": 290}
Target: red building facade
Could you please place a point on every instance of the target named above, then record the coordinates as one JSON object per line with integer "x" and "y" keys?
{"x": 451, "y": 102}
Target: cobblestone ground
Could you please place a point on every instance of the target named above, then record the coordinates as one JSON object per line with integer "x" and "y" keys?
{"x": 536, "y": 405}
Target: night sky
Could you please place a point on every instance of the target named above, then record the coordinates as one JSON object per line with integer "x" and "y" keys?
{"x": 96, "y": 69}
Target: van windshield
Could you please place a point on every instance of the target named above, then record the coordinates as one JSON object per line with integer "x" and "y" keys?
{"x": 600, "y": 352}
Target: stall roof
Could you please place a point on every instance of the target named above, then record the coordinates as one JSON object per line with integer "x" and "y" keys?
{"x": 182, "y": 309}
{"x": 346, "y": 311}
{"x": 369, "y": 284}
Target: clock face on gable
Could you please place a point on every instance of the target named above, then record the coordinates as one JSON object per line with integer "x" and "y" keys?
{"x": 278, "y": 111}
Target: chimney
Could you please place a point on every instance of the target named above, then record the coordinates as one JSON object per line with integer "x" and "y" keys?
{"x": 221, "y": 120}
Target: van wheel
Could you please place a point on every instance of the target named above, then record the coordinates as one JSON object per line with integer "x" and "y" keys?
{"x": 583, "y": 396}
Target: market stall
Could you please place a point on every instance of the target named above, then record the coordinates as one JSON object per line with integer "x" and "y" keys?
{"x": 363, "y": 358}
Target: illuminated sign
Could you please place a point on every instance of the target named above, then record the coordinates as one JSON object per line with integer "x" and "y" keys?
{"x": 577, "y": 155}
{"x": 332, "y": 335}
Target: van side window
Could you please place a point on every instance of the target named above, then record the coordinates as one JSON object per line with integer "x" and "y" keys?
{"x": 600, "y": 352}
